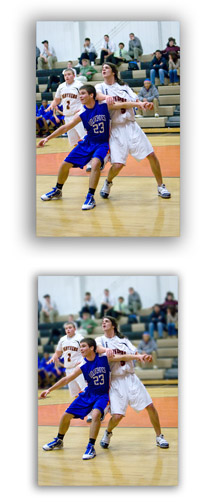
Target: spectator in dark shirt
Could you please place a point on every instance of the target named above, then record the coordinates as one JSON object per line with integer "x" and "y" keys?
{"x": 157, "y": 321}
{"x": 171, "y": 47}
{"x": 158, "y": 67}
{"x": 169, "y": 301}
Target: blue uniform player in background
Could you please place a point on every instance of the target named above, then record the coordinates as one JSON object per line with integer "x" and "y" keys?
{"x": 95, "y": 397}
{"x": 94, "y": 146}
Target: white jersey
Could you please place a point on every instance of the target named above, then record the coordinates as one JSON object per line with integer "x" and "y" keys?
{"x": 71, "y": 350}
{"x": 69, "y": 95}
{"x": 120, "y": 93}
{"x": 120, "y": 346}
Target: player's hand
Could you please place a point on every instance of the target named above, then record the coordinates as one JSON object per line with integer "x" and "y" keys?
{"x": 44, "y": 394}
{"x": 110, "y": 100}
{"x": 109, "y": 353}
{"x": 57, "y": 120}
{"x": 42, "y": 142}
{"x": 147, "y": 358}
{"x": 148, "y": 105}
{"x": 49, "y": 108}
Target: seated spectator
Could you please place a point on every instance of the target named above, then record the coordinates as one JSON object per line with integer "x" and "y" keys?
{"x": 89, "y": 303}
{"x": 89, "y": 49}
{"x": 120, "y": 309}
{"x": 87, "y": 322}
{"x": 49, "y": 373}
{"x": 47, "y": 55}
{"x": 59, "y": 79}
{"x": 148, "y": 345}
{"x": 37, "y": 56}
{"x": 39, "y": 309}
{"x": 58, "y": 116}
{"x": 171, "y": 47}
{"x": 42, "y": 128}
{"x": 157, "y": 321}
{"x": 172, "y": 320}
{"x": 169, "y": 301}
{"x": 174, "y": 64}
{"x": 49, "y": 311}
{"x": 150, "y": 94}
{"x": 86, "y": 70}
{"x": 135, "y": 47}
{"x": 108, "y": 48}
{"x": 119, "y": 56}
{"x": 107, "y": 303}
{"x": 158, "y": 67}
{"x": 134, "y": 301}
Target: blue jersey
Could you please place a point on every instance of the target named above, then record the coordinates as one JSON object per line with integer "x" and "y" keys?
{"x": 96, "y": 394}
{"x": 97, "y": 374}
{"x": 96, "y": 121}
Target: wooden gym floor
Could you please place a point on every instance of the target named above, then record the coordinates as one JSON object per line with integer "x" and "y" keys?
{"x": 133, "y": 459}
{"x": 133, "y": 209}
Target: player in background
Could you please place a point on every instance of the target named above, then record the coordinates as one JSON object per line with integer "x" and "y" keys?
{"x": 125, "y": 388}
{"x": 69, "y": 348}
{"x": 126, "y": 136}
{"x": 96, "y": 371}
{"x": 95, "y": 145}
{"x": 67, "y": 94}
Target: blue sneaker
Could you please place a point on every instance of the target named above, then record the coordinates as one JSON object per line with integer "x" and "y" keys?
{"x": 90, "y": 452}
{"x": 57, "y": 443}
{"x": 54, "y": 194}
{"x": 89, "y": 202}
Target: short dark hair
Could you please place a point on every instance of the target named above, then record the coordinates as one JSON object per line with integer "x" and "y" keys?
{"x": 90, "y": 342}
{"x": 131, "y": 33}
{"x": 90, "y": 90}
{"x": 87, "y": 38}
{"x": 106, "y": 35}
{"x": 122, "y": 43}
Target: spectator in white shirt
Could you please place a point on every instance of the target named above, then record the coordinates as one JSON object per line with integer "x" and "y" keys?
{"x": 107, "y": 49}
{"x": 88, "y": 48}
{"x": 107, "y": 303}
{"x": 48, "y": 56}
{"x": 89, "y": 303}
{"x": 49, "y": 311}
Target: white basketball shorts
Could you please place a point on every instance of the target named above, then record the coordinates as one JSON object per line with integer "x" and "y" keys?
{"x": 128, "y": 390}
{"x": 75, "y": 134}
{"x": 77, "y": 385}
{"x": 127, "y": 139}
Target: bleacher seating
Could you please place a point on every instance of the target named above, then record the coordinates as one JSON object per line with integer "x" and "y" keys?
{"x": 169, "y": 96}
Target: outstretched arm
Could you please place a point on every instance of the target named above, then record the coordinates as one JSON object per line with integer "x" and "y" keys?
{"x": 61, "y": 130}
{"x": 55, "y": 357}
{"x": 126, "y": 358}
{"x": 64, "y": 381}
{"x": 53, "y": 104}
{"x": 129, "y": 105}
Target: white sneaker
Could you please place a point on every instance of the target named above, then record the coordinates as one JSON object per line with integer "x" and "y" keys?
{"x": 156, "y": 115}
{"x": 89, "y": 418}
{"x": 106, "y": 189}
{"x": 163, "y": 192}
{"x": 105, "y": 441}
{"x": 161, "y": 442}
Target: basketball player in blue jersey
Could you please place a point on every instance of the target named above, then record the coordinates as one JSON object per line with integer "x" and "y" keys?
{"x": 95, "y": 397}
{"x": 94, "y": 146}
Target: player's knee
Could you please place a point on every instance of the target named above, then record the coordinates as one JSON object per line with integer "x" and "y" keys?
{"x": 96, "y": 414}
{"x": 117, "y": 166}
{"x": 117, "y": 417}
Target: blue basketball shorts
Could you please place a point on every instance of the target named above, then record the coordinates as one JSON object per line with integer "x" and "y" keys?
{"x": 85, "y": 402}
{"x": 85, "y": 151}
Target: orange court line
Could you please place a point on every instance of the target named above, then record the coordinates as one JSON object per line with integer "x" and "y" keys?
{"x": 169, "y": 157}
{"x": 167, "y": 408}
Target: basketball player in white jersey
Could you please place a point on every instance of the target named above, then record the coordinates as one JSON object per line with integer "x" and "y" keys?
{"x": 126, "y": 136}
{"x": 68, "y": 94}
{"x": 69, "y": 348}
{"x": 125, "y": 388}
